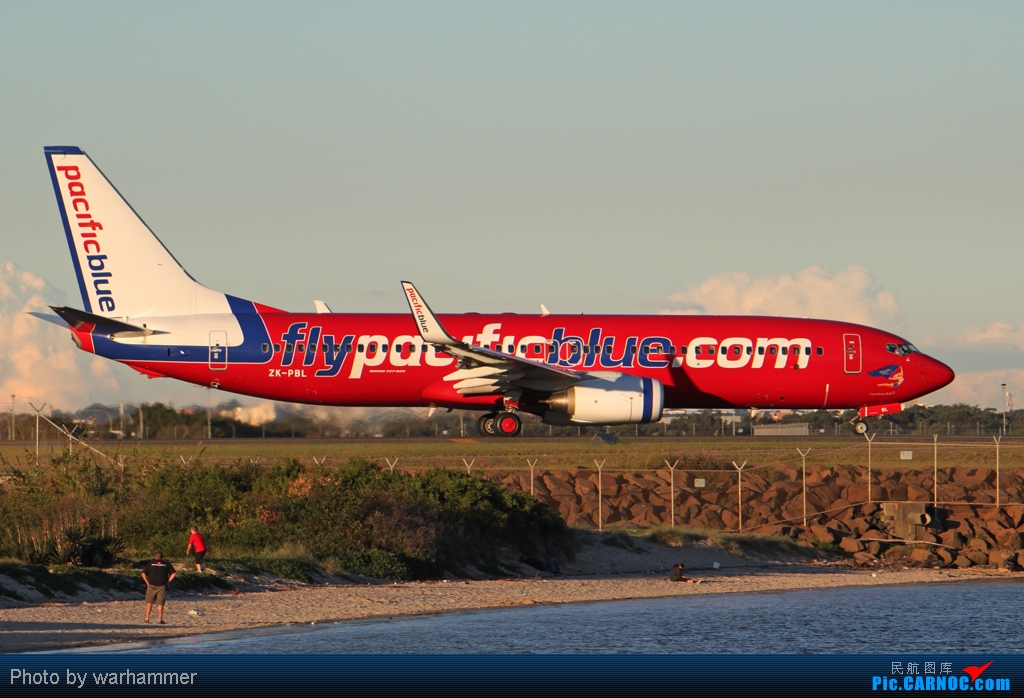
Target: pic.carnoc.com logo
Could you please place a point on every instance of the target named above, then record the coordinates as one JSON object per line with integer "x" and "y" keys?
{"x": 922, "y": 676}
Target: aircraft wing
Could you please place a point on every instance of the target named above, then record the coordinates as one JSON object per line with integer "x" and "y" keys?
{"x": 483, "y": 371}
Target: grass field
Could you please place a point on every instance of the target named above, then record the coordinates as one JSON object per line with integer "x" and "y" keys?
{"x": 646, "y": 453}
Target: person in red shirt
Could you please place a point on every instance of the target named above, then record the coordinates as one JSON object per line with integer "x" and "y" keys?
{"x": 196, "y": 541}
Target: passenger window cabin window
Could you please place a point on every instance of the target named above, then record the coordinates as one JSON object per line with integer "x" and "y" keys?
{"x": 682, "y": 349}
{"x": 696, "y": 350}
{"x": 737, "y": 351}
{"x": 586, "y": 349}
{"x": 760, "y": 351}
{"x": 361, "y": 348}
{"x": 773, "y": 350}
{"x": 510, "y": 349}
{"x": 785, "y": 351}
{"x": 337, "y": 348}
{"x": 288, "y": 348}
{"x": 277, "y": 348}
{"x": 372, "y": 346}
{"x": 264, "y": 347}
{"x": 820, "y": 351}
{"x": 807, "y": 351}
{"x": 522, "y": 348}
{"x": 750, "y": 350}
{"x": 383, "y": 347}
{"x": 536, "y": 348}
{"x": 300, "y": 348}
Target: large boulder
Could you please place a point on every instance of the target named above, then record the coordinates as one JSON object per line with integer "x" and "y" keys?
{"x": 975, "y": 556}
{"x": 851, "y": 545}
{"x": 953, "y": 539}
{"x": 1009, "y": 539}
{"x": 979, "y": 544}
{"x": 997, "y": 556}
{"x": 823, "y": 534}
{"x": 923, "y": 555}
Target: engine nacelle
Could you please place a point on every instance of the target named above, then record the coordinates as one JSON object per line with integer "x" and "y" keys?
{"x": 614, "y": 399}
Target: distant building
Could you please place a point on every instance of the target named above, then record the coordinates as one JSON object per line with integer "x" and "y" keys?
{"x": 793, "y": 429}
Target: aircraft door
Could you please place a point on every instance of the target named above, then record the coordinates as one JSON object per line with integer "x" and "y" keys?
{"x": 218, "y": 350}
{"x": 851, "y": 353}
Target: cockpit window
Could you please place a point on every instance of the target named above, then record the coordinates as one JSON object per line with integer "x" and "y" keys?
{"x": 901, "y": 349}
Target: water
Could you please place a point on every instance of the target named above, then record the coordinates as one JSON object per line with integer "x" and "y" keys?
{"x": 951, "y": 618}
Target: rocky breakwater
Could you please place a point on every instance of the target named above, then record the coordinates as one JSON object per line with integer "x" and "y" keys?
{"x": 965, "y": 529}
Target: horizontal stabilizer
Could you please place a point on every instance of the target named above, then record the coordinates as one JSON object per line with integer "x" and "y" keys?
{"x": 52, "y": 319}
{"x": 77, "y": 318}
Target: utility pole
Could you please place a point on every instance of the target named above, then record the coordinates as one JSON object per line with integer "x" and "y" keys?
{"x": 1004, "y": 408}
{"x": 12, "y": 418}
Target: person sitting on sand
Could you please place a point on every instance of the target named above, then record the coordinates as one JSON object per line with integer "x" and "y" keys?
{"x": 676, "y": 574}
{"x": 157, "y": 575}
{"x": 197, "y": 541}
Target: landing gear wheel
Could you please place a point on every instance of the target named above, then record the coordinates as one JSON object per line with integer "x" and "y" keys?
{"x": 508, "y": 424}
{"x": 860, "y": 428}
{"x": 485, "y": 425}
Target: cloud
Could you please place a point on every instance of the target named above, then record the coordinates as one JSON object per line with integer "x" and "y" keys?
{"x": 851, "y": 295}
{"x": 982, "y": 388}
{"x": 996, "y": 333}
{"x": 38, "y": 360}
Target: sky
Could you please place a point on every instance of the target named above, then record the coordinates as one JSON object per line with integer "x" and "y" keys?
{"x": 857, "y": 161}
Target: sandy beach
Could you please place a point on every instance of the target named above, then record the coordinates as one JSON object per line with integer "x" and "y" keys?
{"x": 600, "y": 573}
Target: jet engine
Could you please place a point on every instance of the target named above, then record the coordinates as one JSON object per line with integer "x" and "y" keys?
{"x": 611, "y": 399}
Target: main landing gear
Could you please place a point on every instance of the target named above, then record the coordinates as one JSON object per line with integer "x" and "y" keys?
{"x": 500, "y": 424}
{"x": 859, "y": 427}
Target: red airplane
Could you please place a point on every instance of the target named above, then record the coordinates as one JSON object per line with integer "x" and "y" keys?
{"x": 144, "y": 310}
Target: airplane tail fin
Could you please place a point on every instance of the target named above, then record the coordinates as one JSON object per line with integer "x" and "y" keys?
{"x": 123, "y": 269}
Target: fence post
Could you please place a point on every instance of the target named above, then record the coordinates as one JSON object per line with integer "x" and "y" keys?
{"x": 392, "y": 465}
{"x": 40, "y": 409}
{"x": 469, "y": 465}
{"x": 739, "y": 508}
{"x": 803, "y": 460}
{"x": 870, "y": 439}
{"x": 997, "y": 439}
{"x": 672, "y": 489}
{"x": 600, "y": 520}
{"x": 935, "y": 475}
{"x": 532, "y": 466}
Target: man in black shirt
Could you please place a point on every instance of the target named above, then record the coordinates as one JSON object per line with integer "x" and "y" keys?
{"x": 157, "y": 575}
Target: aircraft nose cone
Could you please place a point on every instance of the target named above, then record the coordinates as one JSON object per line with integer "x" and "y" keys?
{"x": 938, "y": 374}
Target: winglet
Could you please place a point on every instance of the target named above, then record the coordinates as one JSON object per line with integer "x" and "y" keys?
{"x": 321, "y": 308}
{"x": 543, "y": 311}
{"x": 428, "y": 325}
